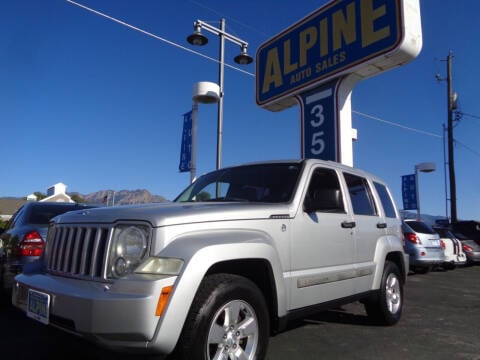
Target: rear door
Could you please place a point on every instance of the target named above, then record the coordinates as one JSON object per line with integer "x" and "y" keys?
{"x": 369, "y": 227}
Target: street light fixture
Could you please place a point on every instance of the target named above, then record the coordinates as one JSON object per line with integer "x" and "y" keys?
{"x": 197, "y": 38}
{"x": 422, "y": 167}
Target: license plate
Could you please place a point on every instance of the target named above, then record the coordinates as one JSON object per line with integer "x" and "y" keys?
{"x": 38, "y": 305}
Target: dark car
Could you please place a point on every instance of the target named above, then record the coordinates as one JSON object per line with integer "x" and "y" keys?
{"x": 470, "y": 247}
{"x": 469, "y": 228}
{"x": 23, "y": 240}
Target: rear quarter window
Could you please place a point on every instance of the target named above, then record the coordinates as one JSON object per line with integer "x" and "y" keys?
{"x": 386, "y": 200}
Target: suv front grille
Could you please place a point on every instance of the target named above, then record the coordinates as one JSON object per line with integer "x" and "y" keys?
{"x": 78, "y": 251}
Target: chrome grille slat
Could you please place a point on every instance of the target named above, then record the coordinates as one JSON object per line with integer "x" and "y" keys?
{"x": 93, "y": 262}
{"x": 76, "y": 248}
{"x": 67, "y": 259}
{"x": 61, "y": 248}
{"x": 84, "y": 253}
{"x": 78, "y": 251}
{"x": 55, "y": 245}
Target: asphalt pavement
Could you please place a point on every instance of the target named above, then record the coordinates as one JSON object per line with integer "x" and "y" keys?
{"x": 441, "y": 320}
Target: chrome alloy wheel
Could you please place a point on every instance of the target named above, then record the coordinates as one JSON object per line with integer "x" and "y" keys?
{"x": 393, "y": 293}
{"x": 233, "y": 332}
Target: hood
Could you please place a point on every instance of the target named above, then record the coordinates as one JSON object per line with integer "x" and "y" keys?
{"x": 169, "y": 213}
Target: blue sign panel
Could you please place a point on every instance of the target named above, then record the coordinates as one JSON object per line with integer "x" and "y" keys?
{"x": 409, "y": 192}
{"x": 327, "y": 43}
{"x": 186, "y": 149}
{"x": 319, "y": 123}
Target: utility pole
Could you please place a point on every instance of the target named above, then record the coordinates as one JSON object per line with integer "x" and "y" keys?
{"x": 451, "y": 100}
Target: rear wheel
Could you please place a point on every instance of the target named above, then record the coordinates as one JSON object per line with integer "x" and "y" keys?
{"x": 228, "y": 320}
{"x": 386, "y": 307}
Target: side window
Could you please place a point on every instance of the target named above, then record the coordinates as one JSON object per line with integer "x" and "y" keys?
{"x": 360, "y": 195}
{"x": 386, "y": 200}
{"x": 324, "y": 194}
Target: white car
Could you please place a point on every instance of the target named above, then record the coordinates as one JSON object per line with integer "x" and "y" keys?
{"x": 452, "y": 247}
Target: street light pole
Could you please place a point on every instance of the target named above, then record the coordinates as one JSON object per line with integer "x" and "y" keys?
{"x": 221, "y": 67}
{"x": 423, "y": 167}
{"x": 243, "y": 58}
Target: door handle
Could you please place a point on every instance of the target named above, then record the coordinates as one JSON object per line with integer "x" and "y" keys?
{"x": 348, "y": 224}
{"x": 381, "y": 225}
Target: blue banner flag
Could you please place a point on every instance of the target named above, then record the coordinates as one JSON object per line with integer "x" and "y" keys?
{"x": 409, "y": 192}
{"x": 186, "y": 149}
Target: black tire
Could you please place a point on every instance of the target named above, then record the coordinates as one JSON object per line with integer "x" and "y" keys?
{"x": 386, "y": 307}
{"x": 449, "y": 266}
{"x": 208, "y": 331}
{"x": 422, "y": 269}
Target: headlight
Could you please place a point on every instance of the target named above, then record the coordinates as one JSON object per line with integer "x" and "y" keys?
{"x": 128, "y": 248}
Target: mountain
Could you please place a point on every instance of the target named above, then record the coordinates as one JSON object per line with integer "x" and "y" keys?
{"x": 122, "y": 197}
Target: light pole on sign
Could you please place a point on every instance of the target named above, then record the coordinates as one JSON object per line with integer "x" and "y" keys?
{"x": 422, "y": 167}
{"x": 197, "y": 38}
{"x": 204, "y": 92}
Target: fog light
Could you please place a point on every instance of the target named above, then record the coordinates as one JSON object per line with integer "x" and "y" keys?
{"x": 120, "y": 266}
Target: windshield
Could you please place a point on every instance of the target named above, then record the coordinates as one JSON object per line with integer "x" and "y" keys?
{"x": 265, "y": 183}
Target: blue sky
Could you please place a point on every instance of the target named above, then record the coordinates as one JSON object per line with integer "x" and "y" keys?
{"x": 97, "y": 105}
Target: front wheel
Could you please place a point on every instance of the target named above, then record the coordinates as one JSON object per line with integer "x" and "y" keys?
{"x": 227, "y": 320}
{"x": 386, "y": 307}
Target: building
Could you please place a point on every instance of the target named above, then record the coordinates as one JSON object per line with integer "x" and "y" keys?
{"x": 56, "y": 193}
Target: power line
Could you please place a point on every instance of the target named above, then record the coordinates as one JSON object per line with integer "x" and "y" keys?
{"x": 467, "y": 147}
{"x": 470, "y": 115}
{"x": 156, "y": 36}
{"x": 396, "y": 124}
{"x": 234, "y": 67}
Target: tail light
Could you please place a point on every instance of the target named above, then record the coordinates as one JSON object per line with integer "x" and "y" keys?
{"x": 32, "y": 244}
{"x": 412, "y": 237}
{"x": 467, "y": 248}
{"x": 442, "y": 244}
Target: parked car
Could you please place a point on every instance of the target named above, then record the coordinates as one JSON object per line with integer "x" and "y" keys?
{"x": 423, "y": 246}
{"x": 470, "y": 247}
{"x": 469, "y": 228}
{"x": 240, "y": 252}
{"x": 452, "y": 247}
{"x": 2, "y": 252}
{"x": 25, "y": 236}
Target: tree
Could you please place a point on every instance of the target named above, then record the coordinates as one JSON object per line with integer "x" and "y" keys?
{"x": 77, "y": 198}
{"x": 39, "y": 195}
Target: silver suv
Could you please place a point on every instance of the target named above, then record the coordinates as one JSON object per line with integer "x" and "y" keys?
{"x": 236, "y": 256}
{"x": 423, "y": 246}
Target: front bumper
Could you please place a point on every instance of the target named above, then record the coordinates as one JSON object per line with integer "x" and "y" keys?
{"x": 119, "y": 315}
